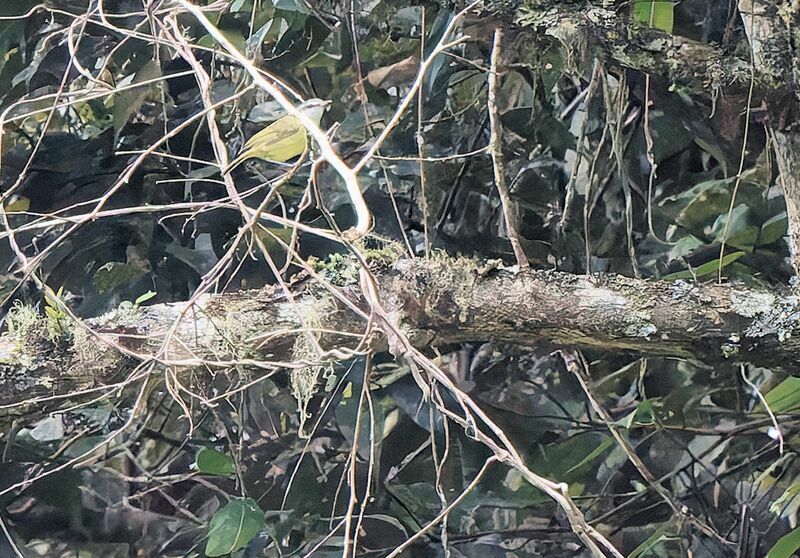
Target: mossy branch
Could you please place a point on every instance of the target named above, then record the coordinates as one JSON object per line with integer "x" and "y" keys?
{"x": 436, "y": 301}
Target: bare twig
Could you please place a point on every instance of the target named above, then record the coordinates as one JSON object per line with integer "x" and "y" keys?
{"x": 423, "y": 69}
{"x": 496, "y": 148}
{"x": 576, "y": 363}
{"x": 443, "y": 514}
{"x": 348, "y": 175}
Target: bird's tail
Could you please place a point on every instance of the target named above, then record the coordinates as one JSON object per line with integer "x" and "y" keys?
{"x": 238, "y": 160}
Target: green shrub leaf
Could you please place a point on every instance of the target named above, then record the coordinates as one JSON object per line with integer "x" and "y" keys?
{"x": 233, "y": 526}
{"x": 212, "y": 462}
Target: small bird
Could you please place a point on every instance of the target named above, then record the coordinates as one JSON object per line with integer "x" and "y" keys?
{"x": 282, "y": 140}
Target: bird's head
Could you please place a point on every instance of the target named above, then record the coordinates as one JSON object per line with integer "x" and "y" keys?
{"x": 314, "y": 109}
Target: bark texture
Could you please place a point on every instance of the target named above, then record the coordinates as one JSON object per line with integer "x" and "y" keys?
{"x": 436, "y": 301}
{"x": 586, "y": 27}
{"x": 772, "y": 31}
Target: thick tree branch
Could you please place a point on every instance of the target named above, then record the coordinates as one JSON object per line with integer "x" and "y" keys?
{"x": 442, "y": 300}
{"x": 587, "y": 27}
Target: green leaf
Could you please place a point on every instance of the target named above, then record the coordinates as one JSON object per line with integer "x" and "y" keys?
{"x": 233, "y": 526}
{"x": 52, "y": 302}
{"x": 705, "y": 269}
{"x": 742, "y": 231}
{"x": 322, "y": 59}
{"x": 212, "y": 462}
{"x": 702, "y": 203}
{"x": 291, "y": 6}
{"x": 785, "y": 396}
{"x": 641, "y": 416}
{"x": 144, "y": 298}
{"x": 715, "y": 151}
{"x": 773, "y": 229}
{"x": 594, "y": 454}
{"x": 661, "y": 535}
{"x": 786, "y": 545}
{"x": 785, "y": 498}
{"x": 48, "y": 430}
{"x": 111, "y": 275}
{"x": 127, "y": 102}
{"x": 684, "y": 246}
{"x": 655, "y": 13}
{"x": 233, "y": 35}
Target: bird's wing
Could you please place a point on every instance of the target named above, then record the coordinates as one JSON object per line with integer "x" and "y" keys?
{"x": 273, "y": 133}
{"x": 285, "y": 149}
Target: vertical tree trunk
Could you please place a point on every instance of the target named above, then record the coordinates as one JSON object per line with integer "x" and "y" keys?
{"x": 769, "y": 25}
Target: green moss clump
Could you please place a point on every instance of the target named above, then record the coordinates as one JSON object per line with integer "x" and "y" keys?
{"x": 58, "y": 323}
{"x": 23, "y": 320}
{"x": 384, "y": 255}
{"x": 25, "y": 327}
{"x": 338, "y": 269}
{"x": 342, "y": 269}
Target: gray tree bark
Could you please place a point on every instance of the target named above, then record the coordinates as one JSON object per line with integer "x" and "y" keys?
{"x": 437, "y": 301}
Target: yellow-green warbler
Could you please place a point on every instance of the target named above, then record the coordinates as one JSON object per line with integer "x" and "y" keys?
{"x": 282, "y": 140}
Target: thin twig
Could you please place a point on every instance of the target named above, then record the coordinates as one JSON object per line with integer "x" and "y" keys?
{"x": 444, "y": 513}
{"x": 421, "y": 147}
{"x": 423, "y": 69}
{"x": 496, "y": 148}
{"x": 576, "y": 363}
{"x": 764, "y": 402}
{"x": 348, "y": 175}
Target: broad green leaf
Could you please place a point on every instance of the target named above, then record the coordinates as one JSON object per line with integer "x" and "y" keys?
{"x": 604, "y": 445}
{"x": 322, "y": 59}
{"x": 233, "y": 526}
{"x": 111, "y": 275}
{"x": 291, "y": 6}
{"x": 785, "y": 396}
{"x": 19, "y": 204}
{"x": 773, "y": 229}
{"x": 702, "y": 203}
{"x": 786, "y": 545}
{"x": 656, "y": 13}
{"x": 49, "y": 429}
{"x": 651, "y": 544}
{"x": 233, "y": 35}
{"x": 212, "y": 462}
{"x": 743, "y": 229}
{"x": 569, "y": 455}
{"x": 705, "y": 269}
{"x": 127, "y": 102}
{"x": 715, "y": 151}
{"x": 684, "y": 246}
{"x": 642, "y": 415}
{"x": 83, "y": 445}
{"x": 760, "y": 174}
